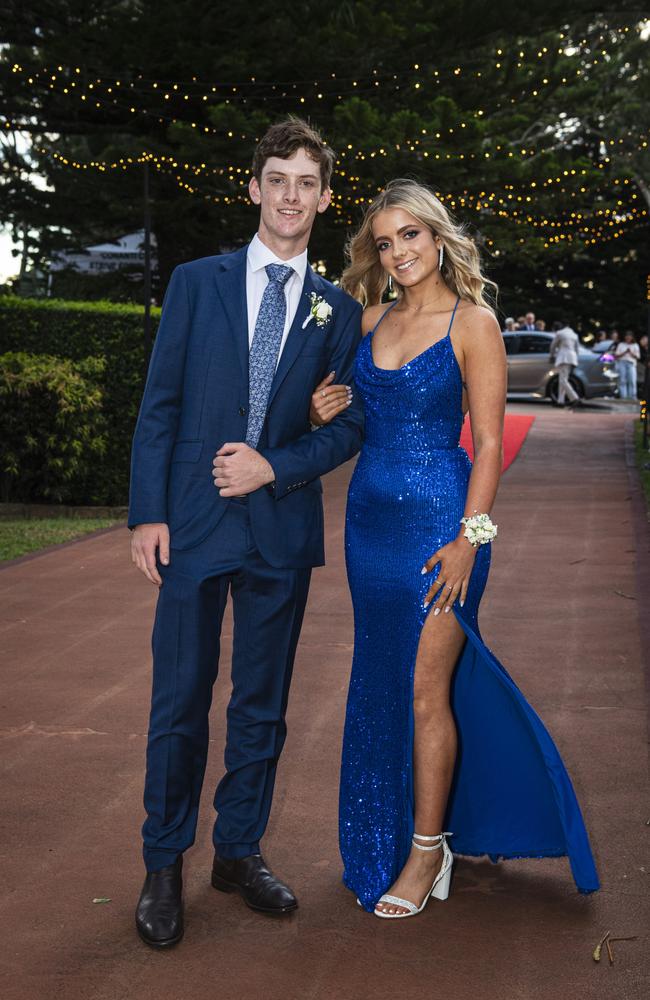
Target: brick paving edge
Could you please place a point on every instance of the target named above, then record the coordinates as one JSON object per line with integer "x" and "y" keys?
{"x": 641, "y": 525}
{"x": 10, "y": 563}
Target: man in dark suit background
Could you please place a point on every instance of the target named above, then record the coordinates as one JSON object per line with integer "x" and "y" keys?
{"x": 226, "y": 496}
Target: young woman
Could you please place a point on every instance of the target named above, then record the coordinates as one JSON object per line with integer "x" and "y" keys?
{"x": 627, "y": 354}
{"x": 437, "y": 735}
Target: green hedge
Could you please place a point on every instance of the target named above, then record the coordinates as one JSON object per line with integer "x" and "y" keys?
{"x": 80, "y": 330}
{"x": 52, "y": 426}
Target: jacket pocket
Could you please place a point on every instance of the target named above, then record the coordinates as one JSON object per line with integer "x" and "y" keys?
{"x": 187, "y": 451}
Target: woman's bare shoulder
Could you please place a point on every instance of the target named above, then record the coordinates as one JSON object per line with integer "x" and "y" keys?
{"x": 477, "y": 323}
{"x": 371, "y": 316}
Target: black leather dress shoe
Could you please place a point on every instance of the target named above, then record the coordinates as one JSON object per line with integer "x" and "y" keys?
{"x": 159, "y": 913}
{"x": 258, "y": 887}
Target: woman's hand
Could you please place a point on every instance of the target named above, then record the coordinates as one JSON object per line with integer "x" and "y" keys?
{"x": 328, "y": 401}
{"x": 456, "y": 563}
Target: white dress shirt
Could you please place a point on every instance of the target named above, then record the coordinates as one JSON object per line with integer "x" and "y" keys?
{"x": 257, "y": 258}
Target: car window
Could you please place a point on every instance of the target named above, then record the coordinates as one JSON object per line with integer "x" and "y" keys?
{"x": 512, "y": 344}
{"x": 529, "y": 343}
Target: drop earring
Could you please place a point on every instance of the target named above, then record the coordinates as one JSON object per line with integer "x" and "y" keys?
{"x": 390, "y": 284}
{"x": 441, "y": 256}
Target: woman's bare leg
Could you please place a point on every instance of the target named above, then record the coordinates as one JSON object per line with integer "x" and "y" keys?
{"x": 434, "y": 751}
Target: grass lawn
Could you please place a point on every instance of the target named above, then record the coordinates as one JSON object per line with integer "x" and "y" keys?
{"x": 642, "y": 458}
{"x": 21, "y": 535}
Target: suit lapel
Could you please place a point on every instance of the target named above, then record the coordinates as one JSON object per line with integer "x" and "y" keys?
{"x": 231, "y": 286}
{"x": 298, "y": 336}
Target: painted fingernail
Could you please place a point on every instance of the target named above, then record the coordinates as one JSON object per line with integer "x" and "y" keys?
{"x": 426, "y": 604}
{"x": 462, "y": 604}
{"x": 437, "y": 611}
{"x": 447, "y": 610}
{"x": 423, "y": 570}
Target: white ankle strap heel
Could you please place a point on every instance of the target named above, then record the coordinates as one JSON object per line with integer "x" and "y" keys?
{"x": 441, "y": 883}
{"x": 440, "y": 837}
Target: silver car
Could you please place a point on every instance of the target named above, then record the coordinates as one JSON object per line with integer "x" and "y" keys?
{"x": 531, "y": 374}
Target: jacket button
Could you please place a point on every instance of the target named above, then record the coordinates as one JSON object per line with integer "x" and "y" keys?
{"x": 242, "y": 411}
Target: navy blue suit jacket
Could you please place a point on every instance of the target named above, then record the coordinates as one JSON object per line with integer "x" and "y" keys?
{"x": 196, "y": 399}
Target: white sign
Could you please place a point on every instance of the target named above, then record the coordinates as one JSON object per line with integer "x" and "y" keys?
{"x": 128, "y": 251}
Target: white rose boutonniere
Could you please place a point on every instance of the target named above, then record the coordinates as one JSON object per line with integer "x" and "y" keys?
{"x": 320, "y": 310}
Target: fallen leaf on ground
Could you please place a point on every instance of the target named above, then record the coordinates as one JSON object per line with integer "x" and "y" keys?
{"x": 620, "y": 593}
{"x": 102, "y": 899}
{"x": 599, "y": 947}
{"x": 608, "y": 941}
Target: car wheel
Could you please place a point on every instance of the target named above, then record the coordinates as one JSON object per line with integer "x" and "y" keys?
{"x": 576, "y": 385}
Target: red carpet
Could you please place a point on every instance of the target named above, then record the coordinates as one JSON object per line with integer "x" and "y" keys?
{"x": 515, "y": 429}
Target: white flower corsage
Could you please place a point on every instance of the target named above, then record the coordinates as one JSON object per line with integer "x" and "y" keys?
{"x": 479, "y": 529}
{"x": 320, "y": 310}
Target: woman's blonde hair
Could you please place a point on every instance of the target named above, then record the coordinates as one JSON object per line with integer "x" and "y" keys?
{"x": 365, "y": 279}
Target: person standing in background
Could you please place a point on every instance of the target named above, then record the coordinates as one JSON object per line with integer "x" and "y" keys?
{"x": 564, "y": 356}
{"x": 529, "y": 321}
{"x": 627, "y": 354}
{"x": 643, "y": 348}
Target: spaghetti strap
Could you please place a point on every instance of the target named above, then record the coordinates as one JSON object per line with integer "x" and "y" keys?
{"x": 464, "y": 384}
{"x": 452, "y": 316}
{"x": 385, "y": 313}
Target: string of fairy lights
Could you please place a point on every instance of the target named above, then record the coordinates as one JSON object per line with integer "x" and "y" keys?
{"x": 103, "y": 89}
{"x": 611, "y": 221}
{"x": 162, "y": 100}
{"x": 75, "y": 82}
{"x": 107, "y": 93}
{"x": 607, "y": 222}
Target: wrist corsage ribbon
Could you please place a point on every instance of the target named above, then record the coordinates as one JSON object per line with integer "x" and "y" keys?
{"x": 479, "y": 529}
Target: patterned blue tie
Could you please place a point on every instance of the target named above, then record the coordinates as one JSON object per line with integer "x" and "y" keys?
{"x": 263, "y": 357}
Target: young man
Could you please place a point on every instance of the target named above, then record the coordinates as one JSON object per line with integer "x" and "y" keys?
{"x": 226, "y": 495}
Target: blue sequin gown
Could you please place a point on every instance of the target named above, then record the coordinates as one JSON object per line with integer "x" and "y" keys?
{"x": 511, "y": 796}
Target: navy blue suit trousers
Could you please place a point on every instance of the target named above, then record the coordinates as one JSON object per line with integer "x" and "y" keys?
{"x": 268, "y": 606}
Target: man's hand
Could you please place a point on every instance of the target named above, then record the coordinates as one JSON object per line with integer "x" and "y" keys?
{"x": 239, "y": 469}
{"x": 145, "y": 539}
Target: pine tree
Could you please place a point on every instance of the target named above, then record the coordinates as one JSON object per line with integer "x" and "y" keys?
{"x": 531, "y": 129}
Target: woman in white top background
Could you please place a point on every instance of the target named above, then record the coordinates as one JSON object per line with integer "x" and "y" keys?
{"x": 627, "y": 354}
